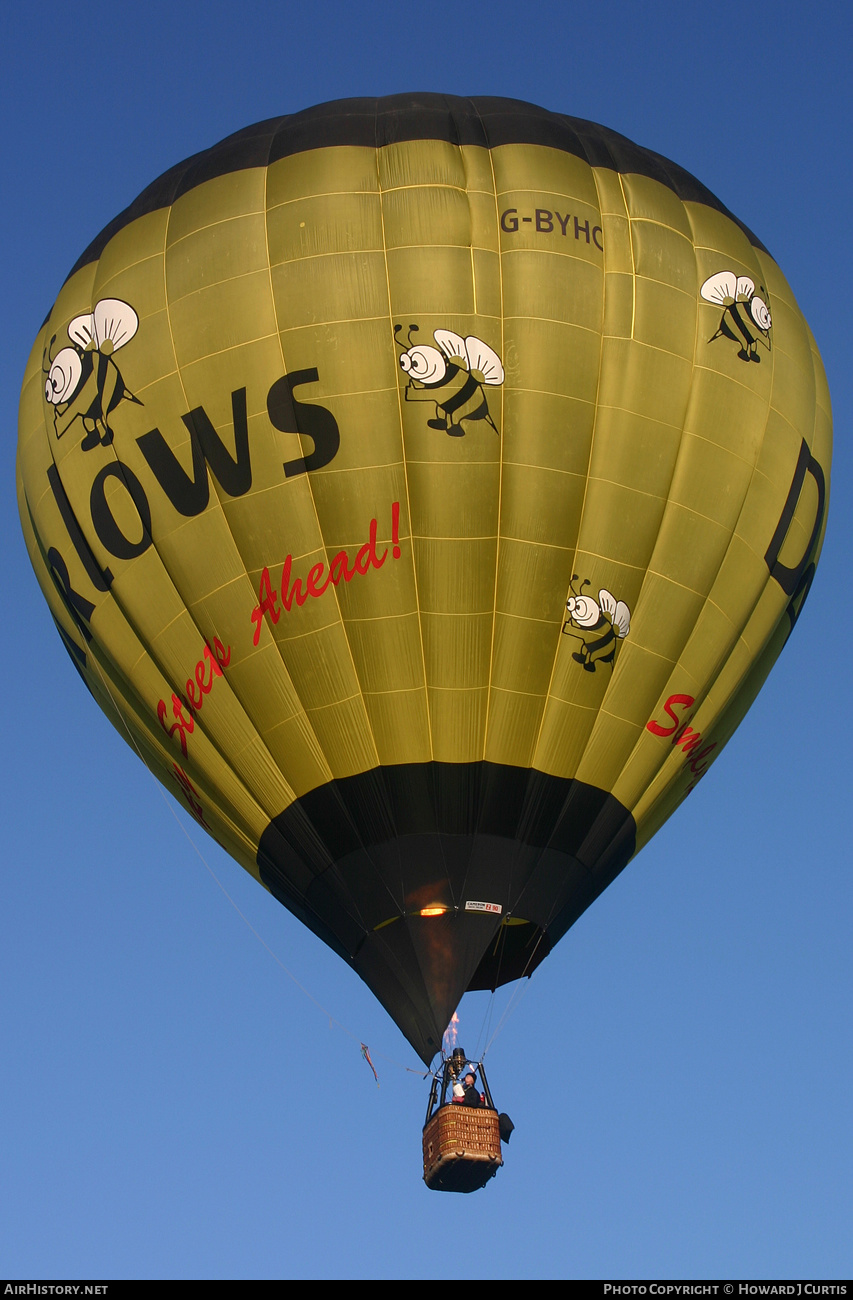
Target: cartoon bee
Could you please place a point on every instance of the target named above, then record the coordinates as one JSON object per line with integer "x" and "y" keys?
{"x": 459, "y": 368}
{"x": 83, "y": 382}
{"x": 598, "y": 625}
{"x": 746, "y": 317}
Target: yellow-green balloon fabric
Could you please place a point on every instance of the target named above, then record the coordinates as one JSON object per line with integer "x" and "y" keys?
{"x": 424, "y": 487}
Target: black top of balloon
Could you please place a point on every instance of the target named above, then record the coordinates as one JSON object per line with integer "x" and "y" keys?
{"x": 485, "y": 120}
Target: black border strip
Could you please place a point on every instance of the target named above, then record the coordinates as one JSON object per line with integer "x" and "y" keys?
{"x": 487, "y": 121}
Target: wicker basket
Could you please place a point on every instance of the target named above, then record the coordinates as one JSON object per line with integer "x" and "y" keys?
{"x": 462, "y": 1148}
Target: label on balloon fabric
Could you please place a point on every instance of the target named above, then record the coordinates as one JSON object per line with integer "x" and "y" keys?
{"x": 208, "y": 668}
{"x": 683, "y": 736}
{"x": 191, "y": 795}
{"x": 319, "y": 578}
{"x": 546, "y": 222}
{"x": 472, "y": 906}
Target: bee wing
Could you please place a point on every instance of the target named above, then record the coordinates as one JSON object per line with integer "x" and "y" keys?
{"x": 720, "y": 288}
{"x": 608, "y": 603}
{"x": 114, "y": 322}
{"x": 745, "y": 288}
{"x": 617, "y": 611}
{"x": 452, "y": 345}
{"x": 82, "y": 330}
{"x": 483, "y": 358}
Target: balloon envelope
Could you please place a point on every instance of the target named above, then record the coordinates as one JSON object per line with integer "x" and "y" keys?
{"x": 424, "y": 487}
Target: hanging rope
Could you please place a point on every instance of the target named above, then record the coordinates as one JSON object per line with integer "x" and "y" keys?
{"x": 334, "y": 1023}
{"x": 517, "y": 994}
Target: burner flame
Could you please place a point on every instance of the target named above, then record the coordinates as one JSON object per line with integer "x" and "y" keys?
{"x": 451, "y": 1035}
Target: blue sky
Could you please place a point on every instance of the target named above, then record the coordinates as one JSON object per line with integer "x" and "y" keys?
{"x": 172, "y": 1104}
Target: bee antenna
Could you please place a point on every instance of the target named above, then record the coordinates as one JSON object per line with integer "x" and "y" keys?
{"x": 46, "y": 369}
{"x": 585, "y": 583}
{"x": 397, "y": 329}
{"x": 416, "y": 330}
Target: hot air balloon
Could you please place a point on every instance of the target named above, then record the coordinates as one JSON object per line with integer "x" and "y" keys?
{"x": 425, "y": 486}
